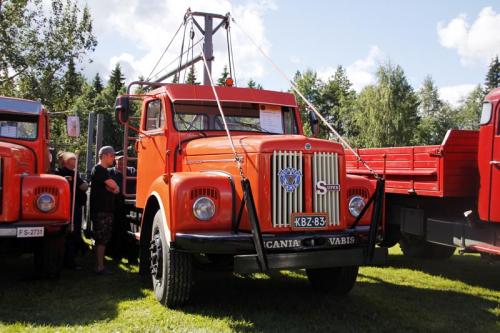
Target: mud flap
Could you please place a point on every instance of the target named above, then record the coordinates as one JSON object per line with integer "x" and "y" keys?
{"x": 254, "y": 223}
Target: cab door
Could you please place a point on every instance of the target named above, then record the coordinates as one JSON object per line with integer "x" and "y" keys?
{"x": 494, "y": 209}
{"x": 151, "y": 148}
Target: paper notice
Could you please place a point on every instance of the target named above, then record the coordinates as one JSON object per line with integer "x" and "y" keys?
{"x": 73, "y": 126}
{"x": 271, "y": 121}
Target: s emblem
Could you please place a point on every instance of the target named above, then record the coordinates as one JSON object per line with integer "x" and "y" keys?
{"x": 322, "y": 187}
{"x": 290, "y": 179}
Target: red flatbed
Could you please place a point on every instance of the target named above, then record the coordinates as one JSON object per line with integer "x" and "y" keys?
{"x": 446, "y": 170}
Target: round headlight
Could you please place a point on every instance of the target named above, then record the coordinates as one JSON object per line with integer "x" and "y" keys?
{"x": 45, "y": 202}
{"x": 356, "y": 205}
{"x": 204, "y": 208}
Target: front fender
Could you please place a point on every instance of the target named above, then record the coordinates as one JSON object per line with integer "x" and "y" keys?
{"x": 358, "y": 185}
{"x": 177, "y": 194}
{"x": 35, "y": 185}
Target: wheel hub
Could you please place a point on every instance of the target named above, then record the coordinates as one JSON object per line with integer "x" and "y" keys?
{"x": 156, "y": 255}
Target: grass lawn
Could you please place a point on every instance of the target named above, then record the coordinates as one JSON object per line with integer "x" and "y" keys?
{"x": 457, "y": 295}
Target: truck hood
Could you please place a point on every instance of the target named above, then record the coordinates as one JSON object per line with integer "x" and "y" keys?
{"x": 259, "y": 144}
{"x": 22, "y": 157}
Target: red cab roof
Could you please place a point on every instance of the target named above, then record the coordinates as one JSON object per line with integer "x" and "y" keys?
{"x": 188, "y": 92}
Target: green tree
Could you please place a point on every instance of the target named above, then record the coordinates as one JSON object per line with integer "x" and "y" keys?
{"x": 191, "y": 76}
{"x": 436, "y": 116}
{"x": 116, "y": 82}
{"x": 41, "y": 45}
{"x": 221, "y": 81}
{"x": 469, "y": 111}
{"x": 337, "y": 103}
{"x": 387, "y": 113}
{"x": 493, "y": 76}
{"x": 97, "y": 83}
{"x": 113, "y": 132}
{"x": 254, "y": 85}
{"x": 309, "y": 85}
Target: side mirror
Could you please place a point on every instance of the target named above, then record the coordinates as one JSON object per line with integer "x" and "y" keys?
{"x": 122, "y": 109}
{"x": 73, "y": 126}
{"x": 314, "y": 123}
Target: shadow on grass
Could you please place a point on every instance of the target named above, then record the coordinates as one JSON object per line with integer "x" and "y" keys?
{"x": 469, "y": 269}
{"x": 287, "y": 304}
{"x": 77, "y": 298}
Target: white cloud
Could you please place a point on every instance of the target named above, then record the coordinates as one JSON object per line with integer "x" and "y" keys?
{"x": 361, "y": 72}
{"x": 142, "y": 29}
{"x": 475, "y": 42}
{"x": 455, "y": 94}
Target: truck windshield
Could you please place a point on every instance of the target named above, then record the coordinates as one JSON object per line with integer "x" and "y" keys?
{"x": 247, "y": 117}
{"x": 18, "y": 127}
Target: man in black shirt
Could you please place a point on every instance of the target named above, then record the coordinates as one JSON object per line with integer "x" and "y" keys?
{"x": 74, "y": 240}
{"x": 119, "y": 246}
{"x": 102, "y": 202}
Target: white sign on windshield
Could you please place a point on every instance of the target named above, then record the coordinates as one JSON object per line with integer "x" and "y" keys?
{"x": 8, "y": 131}
{"x": 271, "y": 120}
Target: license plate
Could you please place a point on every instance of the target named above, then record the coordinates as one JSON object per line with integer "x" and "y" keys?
{"x": 29, "y": 232}
{"x": 309, "y": 221}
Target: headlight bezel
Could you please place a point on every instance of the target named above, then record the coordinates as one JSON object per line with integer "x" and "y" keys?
{"x": 356, "y": 205}
{"x": 44, "y": 196}
{"x": 200, "y": 201}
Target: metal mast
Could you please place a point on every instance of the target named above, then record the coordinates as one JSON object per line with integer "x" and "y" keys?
{"x": 208, "y": 31}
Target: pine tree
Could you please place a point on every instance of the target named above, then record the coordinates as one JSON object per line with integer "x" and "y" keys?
{"x": 191, "y": 77}
{"x": 97, "y": 83}
{"x": 116, "y": 81}
{"x": 254, "y": 85}
{"x": 337, "y": 103}
{"x": 309, "y": 85}
{"x": 493, "y": 76}
{"x": 222, "y": 79}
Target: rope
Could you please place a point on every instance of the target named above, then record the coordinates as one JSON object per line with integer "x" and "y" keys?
{"x": 296, "y": 89}
{"x": 236, "y": 157}
{"x": 165, "y": 51}
{"x": 177, "y": 58}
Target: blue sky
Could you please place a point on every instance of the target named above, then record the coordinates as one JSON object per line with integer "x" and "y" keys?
{"x": 451, "y": 40}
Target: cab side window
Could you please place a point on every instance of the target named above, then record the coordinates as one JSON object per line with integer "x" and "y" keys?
{"x": 155, "y": 117}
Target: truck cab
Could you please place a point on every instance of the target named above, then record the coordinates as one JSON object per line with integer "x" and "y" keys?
{"x": 34, "y": 207}
{"x": 488, "y": 161}
{"x": 265, "y": 197}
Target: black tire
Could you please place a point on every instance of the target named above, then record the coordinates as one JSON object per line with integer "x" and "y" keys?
{"x": 415, "y": 247}
{"x": 49, "y": 256}
{"x": 171, "y": 271}
{"x": 334, "y": 280}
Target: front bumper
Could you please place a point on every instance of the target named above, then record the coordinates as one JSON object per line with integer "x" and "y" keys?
{"x": 287, "y": 250}
{"x": 9, "y": 230}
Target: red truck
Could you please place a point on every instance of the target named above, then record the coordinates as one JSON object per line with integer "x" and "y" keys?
{"x": 443, "y": 197}
{"x": 34, "y": 205}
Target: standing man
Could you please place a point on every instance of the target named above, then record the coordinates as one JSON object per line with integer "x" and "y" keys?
{"x": 118, "y": 246}
{"x": 74, "y": 240}
{"x": 102, "y": 201}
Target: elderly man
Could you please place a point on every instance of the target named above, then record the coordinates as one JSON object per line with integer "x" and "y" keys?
{"x": 74, "y": 239}
{"x": 102, "y": 203}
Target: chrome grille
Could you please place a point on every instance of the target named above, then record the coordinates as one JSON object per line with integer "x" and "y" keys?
{"x": 285, "y": 203}
{"x": 326, "y": 169}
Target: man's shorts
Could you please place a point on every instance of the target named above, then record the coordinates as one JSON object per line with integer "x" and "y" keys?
{"x": 102, "y": 227}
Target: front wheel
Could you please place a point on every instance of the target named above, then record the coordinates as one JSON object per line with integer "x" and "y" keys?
{"x": 171, "y": 271}
{"x": 335, "y": 280}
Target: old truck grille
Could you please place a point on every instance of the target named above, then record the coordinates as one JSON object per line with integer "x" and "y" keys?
{"x": 284, "y": 203}
{"x": 325, "y": 169}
